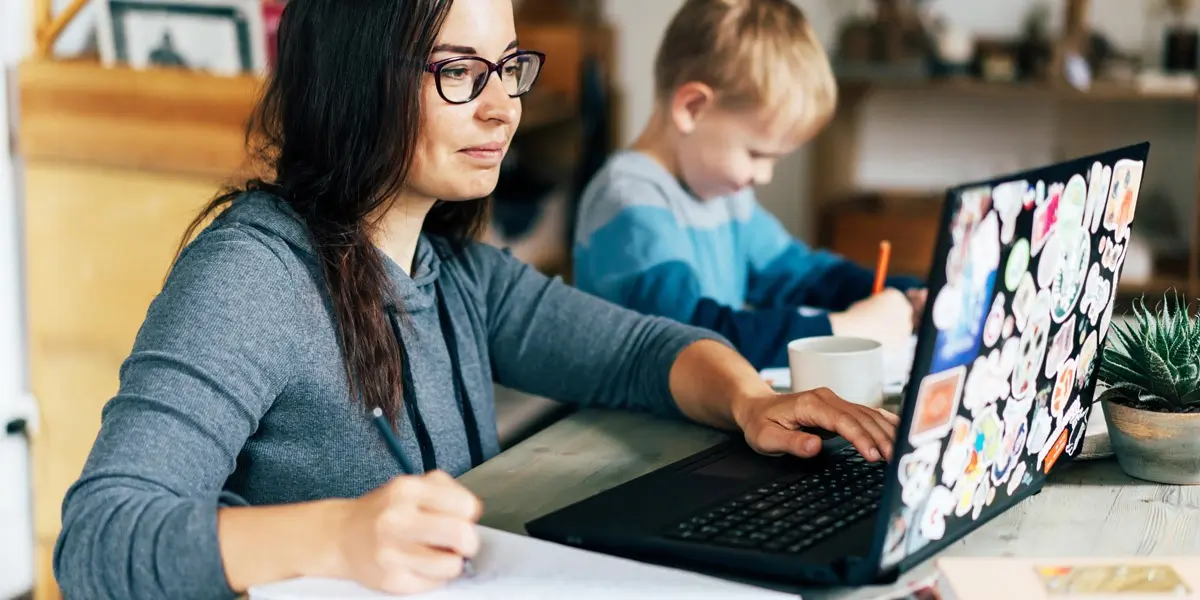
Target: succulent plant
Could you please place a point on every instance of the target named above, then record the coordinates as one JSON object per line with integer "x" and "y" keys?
{"x": 1153, "y": 361}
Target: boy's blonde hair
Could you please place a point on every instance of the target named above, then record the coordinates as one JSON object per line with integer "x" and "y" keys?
{"x": 754, "y": 54}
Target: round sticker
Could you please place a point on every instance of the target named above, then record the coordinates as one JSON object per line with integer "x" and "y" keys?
{"x": 1067, "y": 281}
{"x": 1018, "y": 264}
{"x": 1072, "y": 205}
{"x": 1049, "y": 262}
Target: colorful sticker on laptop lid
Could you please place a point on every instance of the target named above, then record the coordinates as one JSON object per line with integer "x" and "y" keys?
{"x": 1122, "y": 197}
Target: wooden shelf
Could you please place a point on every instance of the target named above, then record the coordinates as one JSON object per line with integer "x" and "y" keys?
{"x": 161, "y": 120}
{"x": 1099, "y": 92}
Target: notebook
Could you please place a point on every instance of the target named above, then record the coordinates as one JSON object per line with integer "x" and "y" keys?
{"x": 1091, "y": 578}
{"x": 517, "y": 566}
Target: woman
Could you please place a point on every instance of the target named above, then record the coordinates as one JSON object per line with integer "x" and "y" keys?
{"x": 240, "y": 449}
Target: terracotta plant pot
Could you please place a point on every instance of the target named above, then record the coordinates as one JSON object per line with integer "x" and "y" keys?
{"x": 1155, "y": 446}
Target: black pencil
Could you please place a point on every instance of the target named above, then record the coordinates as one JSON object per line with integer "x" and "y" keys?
{"x": 385, "y": 429}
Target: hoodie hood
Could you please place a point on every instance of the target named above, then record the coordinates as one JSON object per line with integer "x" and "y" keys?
{"x": 272, "y": 216}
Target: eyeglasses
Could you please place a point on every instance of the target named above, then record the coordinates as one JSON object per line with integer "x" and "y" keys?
{"x": 461, "y": 79}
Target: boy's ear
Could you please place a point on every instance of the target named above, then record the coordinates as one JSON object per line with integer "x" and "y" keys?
{"x": 689, "y": 103}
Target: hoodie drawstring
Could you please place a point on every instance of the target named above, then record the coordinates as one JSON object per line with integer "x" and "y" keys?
{"x": 470, "y": 424}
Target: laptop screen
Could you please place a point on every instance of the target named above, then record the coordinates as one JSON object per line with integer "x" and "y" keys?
{"x": 1021, "y": 293}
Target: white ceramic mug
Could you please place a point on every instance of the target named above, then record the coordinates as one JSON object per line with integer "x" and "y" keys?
{"x": 852, "y": 367}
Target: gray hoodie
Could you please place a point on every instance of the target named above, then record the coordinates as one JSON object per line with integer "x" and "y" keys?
{"x": 235, "y": 394}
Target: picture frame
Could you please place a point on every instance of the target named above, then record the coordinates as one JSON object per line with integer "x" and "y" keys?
{"x": 220, "y": 37}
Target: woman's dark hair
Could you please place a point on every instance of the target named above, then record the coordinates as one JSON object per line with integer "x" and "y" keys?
{"x": 336, "y": 129}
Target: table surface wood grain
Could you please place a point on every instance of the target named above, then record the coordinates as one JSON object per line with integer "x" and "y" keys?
{"x": 1088, "y": 508}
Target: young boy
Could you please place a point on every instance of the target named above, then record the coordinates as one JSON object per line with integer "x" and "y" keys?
{"x": 672, "y": 226}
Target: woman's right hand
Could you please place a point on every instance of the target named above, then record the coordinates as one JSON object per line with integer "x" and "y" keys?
{"x": 409, "y": 535}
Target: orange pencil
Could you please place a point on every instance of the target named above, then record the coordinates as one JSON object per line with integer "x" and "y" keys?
{"x": 885, "y": 254}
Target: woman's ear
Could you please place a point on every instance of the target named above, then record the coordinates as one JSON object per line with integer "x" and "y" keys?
{"x": 689, "y": 103}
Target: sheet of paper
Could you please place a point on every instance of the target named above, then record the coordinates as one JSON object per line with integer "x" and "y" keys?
{"x": 517, "y": 566}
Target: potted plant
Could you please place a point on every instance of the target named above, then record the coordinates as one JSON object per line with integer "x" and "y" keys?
{"x": 1152, "y": 405}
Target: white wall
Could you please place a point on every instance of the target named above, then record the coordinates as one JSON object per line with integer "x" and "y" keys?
{"x": 975, "y": 139}
{"x": 16, "y": 527}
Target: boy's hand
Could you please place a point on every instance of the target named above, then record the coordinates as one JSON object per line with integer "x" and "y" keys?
{"x": 886, "y": 317}
{"x": 916, "y": 297}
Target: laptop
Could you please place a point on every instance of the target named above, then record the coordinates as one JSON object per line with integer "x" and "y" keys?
{"x": 1021, "y": 293}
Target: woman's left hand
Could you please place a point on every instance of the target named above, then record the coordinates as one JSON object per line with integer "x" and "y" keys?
{"x": 773, "y": 424}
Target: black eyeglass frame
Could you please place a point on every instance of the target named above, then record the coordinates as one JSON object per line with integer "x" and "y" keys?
{"x": 492, "y": 67}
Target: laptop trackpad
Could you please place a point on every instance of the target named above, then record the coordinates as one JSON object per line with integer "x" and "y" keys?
{"x": 744, "y": 463}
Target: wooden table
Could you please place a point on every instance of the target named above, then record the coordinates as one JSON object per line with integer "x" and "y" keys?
{"x": 1086, "y": 509}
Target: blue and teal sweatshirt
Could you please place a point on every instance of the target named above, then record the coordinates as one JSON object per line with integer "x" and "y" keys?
{"x": 644, "y": 242}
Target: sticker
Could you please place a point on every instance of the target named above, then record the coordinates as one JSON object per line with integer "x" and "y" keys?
{"x": 1010, "y": 451}
{"x": 991, "y": 495}
{"x": 1108, "y": 311}
{"x": 1023, "y": 300}
{"x": 1007, "y": 198}
{"x": 1018, "y": 264}
{"x": 989, "y": 437}
{"x": 1039, "y": 430}
{"x": 958, "y": 451}
{"x": 1112, "y": 580}
{"x": 933, "y": 519}
{"x": 958, "y": 342}
{"x": 984, "y": 387}
{"x": 937, "y": 403}
{"x": 995, "y": 322}
{"x": 1064, "y": 388}
{"x": 974, "y": 204}
{"x": 1032, "y": 347}
{"x": 1049, "y": 262}
{"x": 1087, "y": 356}
{"x": 1067, "y": 281}
{"x": 964, "y": 491}
{"x": 1008, "y": 327}
{"x": 1060, "y": 348}
{"x": 893, "y": 545}
{"x": 1045, "y": 217}
{"x": 1072, "y": 206}
{"x": 1014, "y": 480}
{"x": 1095, "y": 295}
{"x": 1051, "y": 453}
{"x": 1111, "y": 254}
{"x": 979, "y": 497}
{"x": 1008, "y": 359}
{"x": 1097, "y": 194}
{"x": 1017, "y": 411}
{"x": 1123, "y": 197}
{"x": 1039, "y": 195}
{"x": 916, "y": 473}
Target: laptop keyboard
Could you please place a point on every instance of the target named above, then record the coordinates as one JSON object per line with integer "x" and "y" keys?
{"x": 792, "y": 513}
